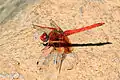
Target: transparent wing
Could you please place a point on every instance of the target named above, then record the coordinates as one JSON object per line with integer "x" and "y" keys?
{"x": 41, "y": 29}
{"x": 53, "y": 24}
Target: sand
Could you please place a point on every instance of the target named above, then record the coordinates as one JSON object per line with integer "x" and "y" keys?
{"x": 20, "y": 51}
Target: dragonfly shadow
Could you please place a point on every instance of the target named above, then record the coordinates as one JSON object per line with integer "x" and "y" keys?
{"x": 91, "y": 44}
{"x": 78, "y": 45}
{"x": 60, "y": 58}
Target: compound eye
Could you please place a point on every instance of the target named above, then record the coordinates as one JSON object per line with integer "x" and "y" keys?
{"x": 44, "y": 37}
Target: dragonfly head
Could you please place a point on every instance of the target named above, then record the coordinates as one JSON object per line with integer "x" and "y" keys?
{"x": 44, "y": 37}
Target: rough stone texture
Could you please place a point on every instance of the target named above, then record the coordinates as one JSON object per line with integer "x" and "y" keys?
{"x": 19, "y": 51}
{"x": 8, "y": 8}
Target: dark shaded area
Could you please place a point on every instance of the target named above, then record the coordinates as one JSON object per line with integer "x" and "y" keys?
{"x": 77, "y": 45}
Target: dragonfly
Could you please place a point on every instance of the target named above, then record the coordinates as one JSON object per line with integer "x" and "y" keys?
{"x": 57, "y": 39}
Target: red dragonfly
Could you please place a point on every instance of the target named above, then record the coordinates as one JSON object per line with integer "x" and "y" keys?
{"x": 58, "y": 39}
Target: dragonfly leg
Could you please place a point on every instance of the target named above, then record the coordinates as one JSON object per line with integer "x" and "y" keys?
{"x": 62, "y": 56}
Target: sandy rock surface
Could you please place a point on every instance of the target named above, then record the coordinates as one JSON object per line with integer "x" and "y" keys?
{"x": 20, "y": 51}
